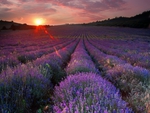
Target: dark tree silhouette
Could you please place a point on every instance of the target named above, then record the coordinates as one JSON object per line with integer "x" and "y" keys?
{"x": 4, "y": 28}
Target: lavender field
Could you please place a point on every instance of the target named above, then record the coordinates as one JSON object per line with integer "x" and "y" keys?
{"x": 75, "y": 69}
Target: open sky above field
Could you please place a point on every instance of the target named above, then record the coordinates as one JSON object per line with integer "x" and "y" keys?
{"x": 69, "y": 11}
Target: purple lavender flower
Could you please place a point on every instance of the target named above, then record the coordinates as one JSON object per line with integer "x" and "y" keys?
{"x": 87, "y": 92}
{"x": 21, "y": 86}
{"x": 80, "y": 61}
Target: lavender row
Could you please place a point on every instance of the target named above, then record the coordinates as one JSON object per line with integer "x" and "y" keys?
{"x": 29, "y": 56}
{"x": 115, "y": 61}
{"x": 31, "y": 37}
{"x": 26, "y": 38}
{"x": 80, "y": 61}
{"x": 41, "y": 46}
{"x": 21, "y": 41}
{"x": 12, "y": 61}
{"x": 137, "y": 53}
{"x": 9, "y": 43}
{"x": 88, "y": 93}
{"x": 28, "y": 85}
{"x": 57, "y": 61}
{"x": 132, "y": 81}
{"x": 85, "y": 91}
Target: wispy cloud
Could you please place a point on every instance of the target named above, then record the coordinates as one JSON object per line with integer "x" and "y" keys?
{"x": 88, "y": 5}
{"x": 5, "y": 2}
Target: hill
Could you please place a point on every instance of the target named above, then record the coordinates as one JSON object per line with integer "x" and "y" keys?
{"x": 10, "y": 25}
{"x": 138, "y": 21}
{"x": 7, "y": 24}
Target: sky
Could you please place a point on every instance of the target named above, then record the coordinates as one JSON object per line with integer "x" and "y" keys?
{"x": 55, "y": 12}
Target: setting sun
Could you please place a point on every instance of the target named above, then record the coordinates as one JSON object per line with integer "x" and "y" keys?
{"x": 39, "y": 21}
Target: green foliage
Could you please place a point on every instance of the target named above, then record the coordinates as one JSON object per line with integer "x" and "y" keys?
{"x": 56, "y": 71}
{"x": 39, "y": 111}
{"x": 46, "y": 71}
{"x": 22, "y": 59}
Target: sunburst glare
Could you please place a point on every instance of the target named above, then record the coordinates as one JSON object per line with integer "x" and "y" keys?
{"x": 39, "y": 21}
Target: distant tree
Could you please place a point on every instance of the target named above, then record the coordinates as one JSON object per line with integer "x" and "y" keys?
{"x": 13, "y": 27}
{"x": 4, "y": 28}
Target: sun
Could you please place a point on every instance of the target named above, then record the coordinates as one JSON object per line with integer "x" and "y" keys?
{"x": 39, "y": 21}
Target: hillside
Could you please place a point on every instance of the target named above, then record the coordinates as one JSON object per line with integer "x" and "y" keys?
{"x": 10, "y": 25}
{"x": 138, "y": 21}
{"x": 7, "y": 24}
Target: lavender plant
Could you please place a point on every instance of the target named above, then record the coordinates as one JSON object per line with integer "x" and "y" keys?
{"x": 88, "y": 93}
{"x": 80, "y": 61}
{"x": 21, "y": 87}
{"x": 135, "y": 82}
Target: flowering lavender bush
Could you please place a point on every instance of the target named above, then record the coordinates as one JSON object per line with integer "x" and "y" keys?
{"x": 10, "y": 61}
{"x": 88, "y": 93}
{"x": 133, "y": 81}
{"x": 126, "y": 69}
{"x": 21, "y": 87}
{"x": 139, "y": 98}
{"x": 80, "y": 61}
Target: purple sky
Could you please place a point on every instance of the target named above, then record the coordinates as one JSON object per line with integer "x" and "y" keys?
{"x": 69, "y": 11}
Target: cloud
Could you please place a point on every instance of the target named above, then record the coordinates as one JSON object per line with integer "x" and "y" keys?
{"x": 5, "y": 2}
{"x": 8, "y": 15}
{"x": 88, "y": 10}
{"x": 91, "y": 16}
{"x": 24, "y": 0}
{"x": 5, "y": 9}
{"x": 93, "y": 6}
{"x": 38, "y": 8}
